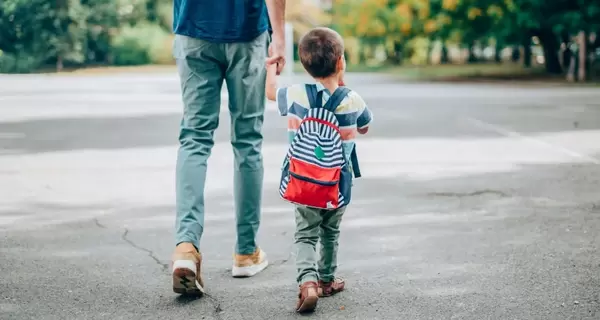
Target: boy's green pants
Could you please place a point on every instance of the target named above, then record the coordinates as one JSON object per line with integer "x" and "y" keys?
{"x": 203, "y": 66}
{"x": 313, "y": 225}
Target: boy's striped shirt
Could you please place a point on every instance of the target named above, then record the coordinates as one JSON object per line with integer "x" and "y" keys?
{"x": 352, "y": 113}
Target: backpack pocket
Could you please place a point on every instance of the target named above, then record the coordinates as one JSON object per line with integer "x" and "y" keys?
{"x": 312, "y": 185}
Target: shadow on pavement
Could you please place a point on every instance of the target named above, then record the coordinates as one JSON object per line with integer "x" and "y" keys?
{"x": 187, "y": 299}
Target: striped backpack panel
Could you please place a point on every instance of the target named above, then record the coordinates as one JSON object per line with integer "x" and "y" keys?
{"x": 316, "y": 173}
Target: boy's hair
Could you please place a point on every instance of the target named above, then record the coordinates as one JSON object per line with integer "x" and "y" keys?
{"x": 319, "y": 51}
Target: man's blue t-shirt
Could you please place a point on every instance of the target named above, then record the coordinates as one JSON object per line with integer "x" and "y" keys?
{"x": 220, "y": 20}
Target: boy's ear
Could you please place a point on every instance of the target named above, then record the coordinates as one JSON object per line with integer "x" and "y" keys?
{"x": 341, "y": 64}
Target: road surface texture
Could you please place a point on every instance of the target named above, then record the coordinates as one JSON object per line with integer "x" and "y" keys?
{"x": 479, "y": 201}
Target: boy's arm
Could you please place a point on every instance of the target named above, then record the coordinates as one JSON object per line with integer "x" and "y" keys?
{"x": 365, "y": 116}
{"x": 364, "y": 113}
{"x": 274, "y": 92}
{"x": 271, "y": 84}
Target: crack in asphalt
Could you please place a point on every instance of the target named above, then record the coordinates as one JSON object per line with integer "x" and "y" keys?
{"x": 164, "y": 266}
{"x": 288, "y": 258}
{"x": 216, "y": 305}
{"x": 283, "y": 261}
{"x": 98, "y": 224}
{"x": 217, "y": 309}
{"x": 214, "y": 301}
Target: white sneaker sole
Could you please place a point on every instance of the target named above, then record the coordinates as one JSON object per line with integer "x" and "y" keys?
{"x": 184, "y": 278}
{"x": 244, "y": 272}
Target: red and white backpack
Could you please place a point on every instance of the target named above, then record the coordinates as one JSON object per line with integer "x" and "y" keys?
{"x": 315, "y": 172}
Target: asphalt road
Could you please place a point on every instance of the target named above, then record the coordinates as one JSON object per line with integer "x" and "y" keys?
{"x": 477, "y": 202}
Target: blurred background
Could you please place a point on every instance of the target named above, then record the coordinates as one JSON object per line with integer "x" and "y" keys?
{"x": 479, "y": 197}
{"x": 421, "y": 38}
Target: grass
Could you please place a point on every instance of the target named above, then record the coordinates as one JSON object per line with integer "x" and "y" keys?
{"x": 478, "y": 72}
{"x": 101, "y": 70}
{"x": 451, "y": 72}
{"x": 505, "y": 71}
{"x": 434, "y": 72}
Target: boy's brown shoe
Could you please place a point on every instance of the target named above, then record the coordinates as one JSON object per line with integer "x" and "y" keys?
{"x": 327, "y": 289}
{"x": 248, "y": 265}
{"x": 187, "y": 277}
{"x": 308, "y": 297}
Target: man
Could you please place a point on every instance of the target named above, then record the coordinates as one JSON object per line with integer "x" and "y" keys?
{"x": 216, "y": 41}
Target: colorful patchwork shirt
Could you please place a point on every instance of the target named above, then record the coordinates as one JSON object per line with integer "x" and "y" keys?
{"x": 352, "y": 113}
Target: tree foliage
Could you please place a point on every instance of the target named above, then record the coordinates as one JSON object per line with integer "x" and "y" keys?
{"x": 304, "y": 15}
{"x": 75, "y": 32}
{"x": 507, "y": 22}
{"x": 34, "y": 33}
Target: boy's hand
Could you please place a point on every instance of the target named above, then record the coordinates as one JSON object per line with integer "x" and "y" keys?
{"x": 277, "y": 54}
{"x": 271, "y": 83}
{"x": 341, "y": 82}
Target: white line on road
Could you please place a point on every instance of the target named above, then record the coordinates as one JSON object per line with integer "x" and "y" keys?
{"x": 510, "y": 133}
{"x": 11, "y": 135}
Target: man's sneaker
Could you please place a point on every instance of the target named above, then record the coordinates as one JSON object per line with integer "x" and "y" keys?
{"x": 187, "y": 277}
{"x": 247, "y": 265}
{"x": 327, "y": 289}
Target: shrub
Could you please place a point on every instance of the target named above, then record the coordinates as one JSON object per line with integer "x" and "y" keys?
{"x": 22, "y": 63}
{"x": 161, "y": 50}
{"x": 143, "y": 43}
{"x": 164, "y": 11}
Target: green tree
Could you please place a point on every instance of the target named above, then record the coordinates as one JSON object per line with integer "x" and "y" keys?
{"x": 34, "y": 32}
{"x": 547, "y": 20}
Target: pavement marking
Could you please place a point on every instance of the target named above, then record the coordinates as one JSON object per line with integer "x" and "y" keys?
{"x": 11, "y": 135}
{"x": 514, "y": 134}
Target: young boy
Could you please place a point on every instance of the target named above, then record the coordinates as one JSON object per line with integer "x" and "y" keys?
{"x": 312, "y": 164}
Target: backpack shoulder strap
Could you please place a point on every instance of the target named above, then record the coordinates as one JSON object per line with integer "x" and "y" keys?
{"x": 354, "y": 161}
{"x": 313, "y": 96}
{"x": 334, "y": 101}
{"x": 336, "y": 98}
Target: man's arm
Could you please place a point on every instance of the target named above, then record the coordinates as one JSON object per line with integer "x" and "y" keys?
{"x": 276, "y": 10}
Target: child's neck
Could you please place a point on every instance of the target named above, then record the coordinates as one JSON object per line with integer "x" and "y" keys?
{"x": 331, "y": 83}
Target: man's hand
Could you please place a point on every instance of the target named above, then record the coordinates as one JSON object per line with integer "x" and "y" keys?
{"x": 277, "y": 54}
{"x": 276, "y": 10}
